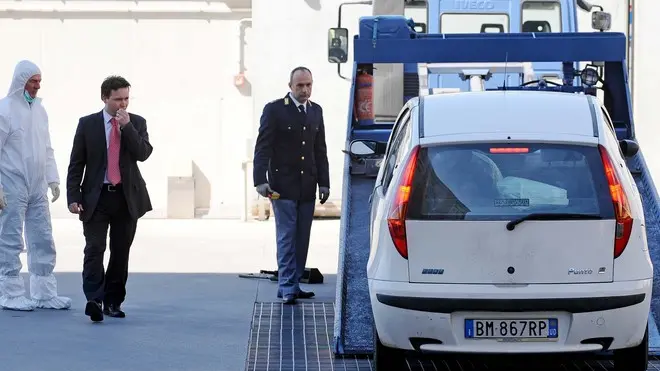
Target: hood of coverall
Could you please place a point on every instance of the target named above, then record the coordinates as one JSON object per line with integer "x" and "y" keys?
{"x": 27, "y": 158}
{"x": 22, "y": 73}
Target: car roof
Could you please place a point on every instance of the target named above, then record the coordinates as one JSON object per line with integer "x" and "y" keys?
{"x": 521, "y": 112}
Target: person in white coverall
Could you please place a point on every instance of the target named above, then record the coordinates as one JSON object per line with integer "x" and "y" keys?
{"x": 27, "y": 170}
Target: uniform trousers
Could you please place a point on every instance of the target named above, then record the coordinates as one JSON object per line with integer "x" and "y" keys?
{"x": 293, "y": 224}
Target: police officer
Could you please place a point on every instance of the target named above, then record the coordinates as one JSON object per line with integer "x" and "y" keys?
{"x": 290, "y": 160}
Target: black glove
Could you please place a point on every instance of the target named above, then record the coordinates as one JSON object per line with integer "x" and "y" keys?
{"x": 324, "y": 193}
{"x": 264, "y": 190}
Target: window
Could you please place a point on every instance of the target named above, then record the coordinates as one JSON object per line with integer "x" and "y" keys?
{"x": 398, "y": 124}
{"x": 397, "y": 149}
{"x": 610, "y": 125}
{"x": 606, "y": 116}
{"x": 495, "y": 182}
{"x": 418, "y": 12}
{"x": 473, "y": 23}
{"x": 541, "y": 16}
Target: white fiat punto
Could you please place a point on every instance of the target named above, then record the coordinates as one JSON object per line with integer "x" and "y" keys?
{"x": 508, "y": 222}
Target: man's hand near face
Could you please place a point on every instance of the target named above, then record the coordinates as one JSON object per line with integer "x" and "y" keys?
{"x": 122, "y": 117}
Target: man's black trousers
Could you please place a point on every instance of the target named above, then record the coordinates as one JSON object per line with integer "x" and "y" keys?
{"x": 111, "y": 212}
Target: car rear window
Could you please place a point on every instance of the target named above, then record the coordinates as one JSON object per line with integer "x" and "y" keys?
{"x": 496, "y": 182}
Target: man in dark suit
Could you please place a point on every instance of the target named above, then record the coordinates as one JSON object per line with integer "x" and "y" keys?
{"x": 290, "y": 160}
{"x": 106, "y": 148}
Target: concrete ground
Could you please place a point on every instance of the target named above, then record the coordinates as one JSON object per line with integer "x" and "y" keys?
{"x": 186, "y": 307}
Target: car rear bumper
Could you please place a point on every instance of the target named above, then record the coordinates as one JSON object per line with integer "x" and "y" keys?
{"x": 430, "y": 317}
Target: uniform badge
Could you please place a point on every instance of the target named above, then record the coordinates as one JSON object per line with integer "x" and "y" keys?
{"x": 286, "y": 101}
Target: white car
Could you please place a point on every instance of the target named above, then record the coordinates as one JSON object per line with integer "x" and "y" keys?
{"x": 508, "y": 222}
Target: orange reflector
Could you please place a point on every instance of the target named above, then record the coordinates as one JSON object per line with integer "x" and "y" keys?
{"x": 509, "y": 150}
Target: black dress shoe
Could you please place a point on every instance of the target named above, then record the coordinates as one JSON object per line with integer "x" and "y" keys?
{"x": 93, "y": 310}
{"x": 113, "y": 310}
{"x": 289, "y": 299}
{"x": 305, "y": 294}
{"x": 300, "y": 295}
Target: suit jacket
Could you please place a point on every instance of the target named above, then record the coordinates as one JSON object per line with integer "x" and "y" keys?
{"x": 290, "y": 152}
{"x": 89, "y": 155}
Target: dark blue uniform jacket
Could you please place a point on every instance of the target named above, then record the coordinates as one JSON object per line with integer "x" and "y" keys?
{"x": 290, "y": 152}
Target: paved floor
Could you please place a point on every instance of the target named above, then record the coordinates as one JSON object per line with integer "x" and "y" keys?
{"x": 187, "y": 310}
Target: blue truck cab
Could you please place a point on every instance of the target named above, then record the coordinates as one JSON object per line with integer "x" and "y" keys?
{"x": 489, "y": 16}
{"x": 451, "y": 17}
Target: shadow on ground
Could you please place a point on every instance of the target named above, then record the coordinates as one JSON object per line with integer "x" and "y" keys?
{"x": 192, "y": 322}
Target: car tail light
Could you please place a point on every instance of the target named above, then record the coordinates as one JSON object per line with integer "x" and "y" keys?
{"x": 396, "y": 220}
{"x": 622, "y": 212}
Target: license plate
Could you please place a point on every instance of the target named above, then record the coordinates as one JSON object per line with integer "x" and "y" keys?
{"x": 512, "y": 328}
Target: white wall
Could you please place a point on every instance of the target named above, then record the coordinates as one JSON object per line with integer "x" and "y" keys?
{"x": 289, "y": 33}
{"x": 646, "y": 62}
{"x": 182, "y": 72}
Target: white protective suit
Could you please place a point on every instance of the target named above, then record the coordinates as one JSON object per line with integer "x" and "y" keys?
{"x": 27, "y": 170}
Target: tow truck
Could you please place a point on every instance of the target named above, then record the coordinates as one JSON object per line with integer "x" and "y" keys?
{"x": 468, "y": 16}
{"x": 450, "y": 17}
{"x": 392, "y": 39}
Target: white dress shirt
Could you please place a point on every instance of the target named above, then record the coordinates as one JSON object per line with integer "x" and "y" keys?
{"x": 298, "y": 103}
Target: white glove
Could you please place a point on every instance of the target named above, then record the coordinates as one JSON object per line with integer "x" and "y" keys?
{"x": 3, "y": 200}
{"x": 55, "y": 189}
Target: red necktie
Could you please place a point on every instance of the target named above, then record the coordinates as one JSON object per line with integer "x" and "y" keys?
{"x": 113, "y": 154}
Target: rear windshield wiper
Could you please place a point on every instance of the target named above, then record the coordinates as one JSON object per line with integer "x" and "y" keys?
{"x": 550, "y": 216}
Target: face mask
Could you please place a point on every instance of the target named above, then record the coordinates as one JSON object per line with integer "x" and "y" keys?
{"x": 27, "y": 96}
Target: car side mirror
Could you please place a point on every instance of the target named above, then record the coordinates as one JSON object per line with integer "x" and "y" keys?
{"x": 337, "y": 45}
{"x": 601, "y": 21}
{"x": 629, "y": 148}
{"x": 363, "y": 147}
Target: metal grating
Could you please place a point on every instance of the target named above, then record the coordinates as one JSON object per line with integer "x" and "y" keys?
{"x": 299, "y": 337}
{"x": 296, "y": 337}
{"x": 542, "y": 364}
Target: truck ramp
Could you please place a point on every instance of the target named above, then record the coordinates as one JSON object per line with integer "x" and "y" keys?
{"x": 353, "y": 332}
{"x": 651, "y": 203}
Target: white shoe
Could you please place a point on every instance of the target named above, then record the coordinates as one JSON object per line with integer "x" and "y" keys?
{"x": 13, "y": 294}
{"x": 20, "y": 303}
{"x": 58, "y": 302}
{"x": 44, "y": 293}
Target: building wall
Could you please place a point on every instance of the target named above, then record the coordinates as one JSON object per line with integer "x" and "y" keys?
{"x": 182, "y": 72}
{"x": 290, "y": 33}
{"x": 645, "y": 102}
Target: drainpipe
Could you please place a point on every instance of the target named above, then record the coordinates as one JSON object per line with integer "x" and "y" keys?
{"x": 243, "y": 24}
{"x": 246, "y": 165}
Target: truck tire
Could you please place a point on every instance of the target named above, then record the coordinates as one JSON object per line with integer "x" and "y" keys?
{"x": 635, "y": 358}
